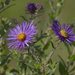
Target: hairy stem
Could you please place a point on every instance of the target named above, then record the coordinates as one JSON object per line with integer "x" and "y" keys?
{"x": 52, "y": 54}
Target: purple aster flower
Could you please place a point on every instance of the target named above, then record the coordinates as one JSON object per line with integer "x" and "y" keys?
{"x": 21, "y": 35}
{"x": 65, "y": 34}
{"x": 31, "y": 7}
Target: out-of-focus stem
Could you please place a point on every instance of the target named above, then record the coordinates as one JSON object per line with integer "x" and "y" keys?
{"x": 2, "y": 6}
{"x": 48, "y": 35}
{"x": 69, "y": 63}
{"x": 6, "y": 7}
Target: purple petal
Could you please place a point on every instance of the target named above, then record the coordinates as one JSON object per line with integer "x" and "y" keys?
{"x": 18, "y": 28}
{"x": 11, "y": 39}
{"x": 72, "y": 38}
{"x": 68, "y": 41}
{"x": 64, "y": 26}
{"x": 24, "y": 26}
{"x": 70, "y": 31}
{"x": 67, "y": 27}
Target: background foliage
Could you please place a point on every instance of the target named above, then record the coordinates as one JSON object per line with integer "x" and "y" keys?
{"x": 20, "y": 63}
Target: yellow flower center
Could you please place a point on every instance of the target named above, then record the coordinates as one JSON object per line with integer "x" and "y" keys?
{"x": 21, "y": 37}
{"x": 63, "y": 33}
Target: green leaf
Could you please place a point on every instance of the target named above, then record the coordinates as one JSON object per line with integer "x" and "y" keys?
{"x": 51, "y": 31}
{"x": 6, "y": 8}
{"x": 47, "y": 45}
{"x": 52, "y": 70}
{"x": 54, "y": 67}
{"x": 38, "y": 65}
{"x": 73, "y": 43}
{"x": 73, "y": 69}
{"x": 61, "y": 2}
{"x": 68, "y": 48}
{"x": 0, "y": 21}
{"x": 8, "y": 73}
{"x": 5, "y": 59}
{"x": 48, "y": 73}
{"x": 2, "y": 32}
{"x": 51, "y": 3}
{"x": 44, "y": 35}
{"x": 5, "y": 68}
{"x": 25, "y": 68}
{"x": 51, "y": 17}
{"x": 7, "y": 2}
{"x": 52, "y": 44}
{"x": 62, "y": 69}
{"x": 58, "y": 12}
{"x": 2, "y": 4}
{"x": 72, "y": 57}
{"x": 47, "y": 57}
{"x": 14, "y": 70}
{"x": 62, "y": 60}
{"x": 24, "y": 18}
{"x": 32, "y": 67}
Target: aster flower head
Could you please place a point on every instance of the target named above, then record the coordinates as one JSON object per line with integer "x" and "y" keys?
{"x": 65, "y": 34}
{"x": 31, "y": 8}
{"x": 21, "y": 35}
{"x": 39, "y": 6}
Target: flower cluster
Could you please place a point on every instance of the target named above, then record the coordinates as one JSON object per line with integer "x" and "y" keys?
{"x": 21, "y": 35}
{"x": 31, "y": 7}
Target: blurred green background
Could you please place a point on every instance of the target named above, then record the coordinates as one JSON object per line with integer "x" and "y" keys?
{"x": 67, "y": 15}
